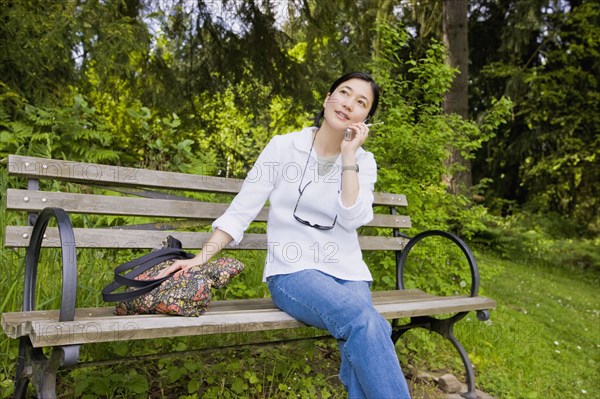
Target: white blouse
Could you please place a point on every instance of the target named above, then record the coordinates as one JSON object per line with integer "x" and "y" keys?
{"x": 292, "y": 246}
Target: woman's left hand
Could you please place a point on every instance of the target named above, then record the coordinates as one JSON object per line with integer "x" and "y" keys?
{"x": 361, "y": 132}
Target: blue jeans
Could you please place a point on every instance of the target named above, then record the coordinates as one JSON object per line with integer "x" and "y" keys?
{"x": 370, "y": 367}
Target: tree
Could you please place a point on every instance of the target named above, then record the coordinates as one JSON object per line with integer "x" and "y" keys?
{"x": 447, "y": 21}
{"x": 37, "y": 40}
{"x": 455, "y": 28}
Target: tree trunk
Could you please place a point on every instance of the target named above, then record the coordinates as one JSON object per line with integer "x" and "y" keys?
{"x": 455, "y": 28}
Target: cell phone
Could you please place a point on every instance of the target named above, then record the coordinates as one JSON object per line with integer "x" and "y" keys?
{"x": 350, "y": 133}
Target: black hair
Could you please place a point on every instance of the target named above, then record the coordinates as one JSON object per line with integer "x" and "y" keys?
{"x": 353, "y": 75}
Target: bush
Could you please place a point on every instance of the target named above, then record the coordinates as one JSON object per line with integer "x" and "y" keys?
{"x": 413, "y": 146}
{"x": 538, "y": 238}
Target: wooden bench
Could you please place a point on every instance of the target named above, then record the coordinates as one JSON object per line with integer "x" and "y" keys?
{"x": 165, "y": 199}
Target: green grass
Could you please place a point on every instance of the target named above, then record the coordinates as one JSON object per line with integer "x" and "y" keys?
{"x": 543, "y": 341}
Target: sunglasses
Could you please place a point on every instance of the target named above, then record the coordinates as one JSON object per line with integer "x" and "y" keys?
{"x": 305, "y": 222}
{"x": 301, "y": 191}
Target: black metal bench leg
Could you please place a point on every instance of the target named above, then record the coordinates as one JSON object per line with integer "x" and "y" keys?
{"x": 21, "y": 388}
{"x": 471, "y": 393}
{"x": 23, "y": 369}
{"x": 445, "y": 328}
{"x": 34, "y": 366}
{"x": 44, "y": 375}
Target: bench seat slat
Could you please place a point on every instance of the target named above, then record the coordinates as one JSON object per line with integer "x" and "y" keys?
{"x": 35, "y": 201}
{"x": 18, "y": 237}
{"x": 101, "y": 325}
{"x": 96, "y": 174}
{"x": 12, "y": 319}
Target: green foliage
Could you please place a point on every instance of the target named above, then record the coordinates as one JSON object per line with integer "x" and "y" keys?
{"x": 163, "y": 147}
{"x": 285, "y": 371}
{"x": 230, "y": 126}
{"x": 413, "y": 144}
{"x": 37, "y": 39}
{"x": 548, "y": 63}
{"x": 80, "y": 132}
{"x": 437, "y": 266}
{"x": 542, "y": 239}
{"x": 74, "y": 132}
{"x": 221, "y": 78}
{"x": 108, "y": 383}
{"x": 50, "y": 46}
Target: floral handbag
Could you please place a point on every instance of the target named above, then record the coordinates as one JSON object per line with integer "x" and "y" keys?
{"x": 184, "y": 293}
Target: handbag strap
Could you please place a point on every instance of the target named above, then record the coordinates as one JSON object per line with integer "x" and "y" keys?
{"x": 144, "y": 263}
{"x": 139, "y": 266}
{"x": 109, "y": 296}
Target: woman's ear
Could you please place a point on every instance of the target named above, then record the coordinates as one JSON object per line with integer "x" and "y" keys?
{"x": 327, "y": 99}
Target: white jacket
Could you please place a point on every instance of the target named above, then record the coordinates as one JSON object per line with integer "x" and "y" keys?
{"x": 293, "y": 246}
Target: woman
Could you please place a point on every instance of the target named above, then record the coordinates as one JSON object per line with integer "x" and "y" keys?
{"x": 319, "y": 183}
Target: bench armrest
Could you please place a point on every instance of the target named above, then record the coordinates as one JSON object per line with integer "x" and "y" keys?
{"x": 69, "y": 261}
{"x": 452, "y": 237}
{"x": 482, "y": 315}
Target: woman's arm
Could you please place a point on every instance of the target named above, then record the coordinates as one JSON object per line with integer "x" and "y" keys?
{"x": 350, "y": 183}
{"x": 217, "y": 241}
{"x": 242, "y": 210}
{"x": 356, "y": 197}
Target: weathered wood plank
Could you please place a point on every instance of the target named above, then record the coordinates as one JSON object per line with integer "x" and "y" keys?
{"x": 393, "y": 221}
{"x": 441, "y": 305}
{"x": 53, "y": 333}
{"x": 128, "y": 328}
{"x": 19, "y": 236}
{"x": 100, "y": 324}
{"x": 31, "y": 200}
{"x": 392, "y": 304}
{"x": 390, "y": 199}
{"x": 97, "y": 174}
{"x": 35, "y": 201}
{"x": 16, "y": 324}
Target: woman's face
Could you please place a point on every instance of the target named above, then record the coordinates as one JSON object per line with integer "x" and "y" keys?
{"x": 350, "y": 102}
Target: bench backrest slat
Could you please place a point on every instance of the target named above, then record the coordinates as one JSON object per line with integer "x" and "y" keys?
{"x": 18, "y": 237}
{"x": 87, "y": 173}
{"x": 35, "y": 201}
{"x": 96, "y": 174}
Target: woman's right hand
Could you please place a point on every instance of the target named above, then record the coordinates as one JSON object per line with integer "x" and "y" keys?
{"x": 179, "y": 264}
{"x": 218, "y": 240}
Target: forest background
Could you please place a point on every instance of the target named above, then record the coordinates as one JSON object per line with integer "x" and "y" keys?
{"x": 201, "y": 86}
